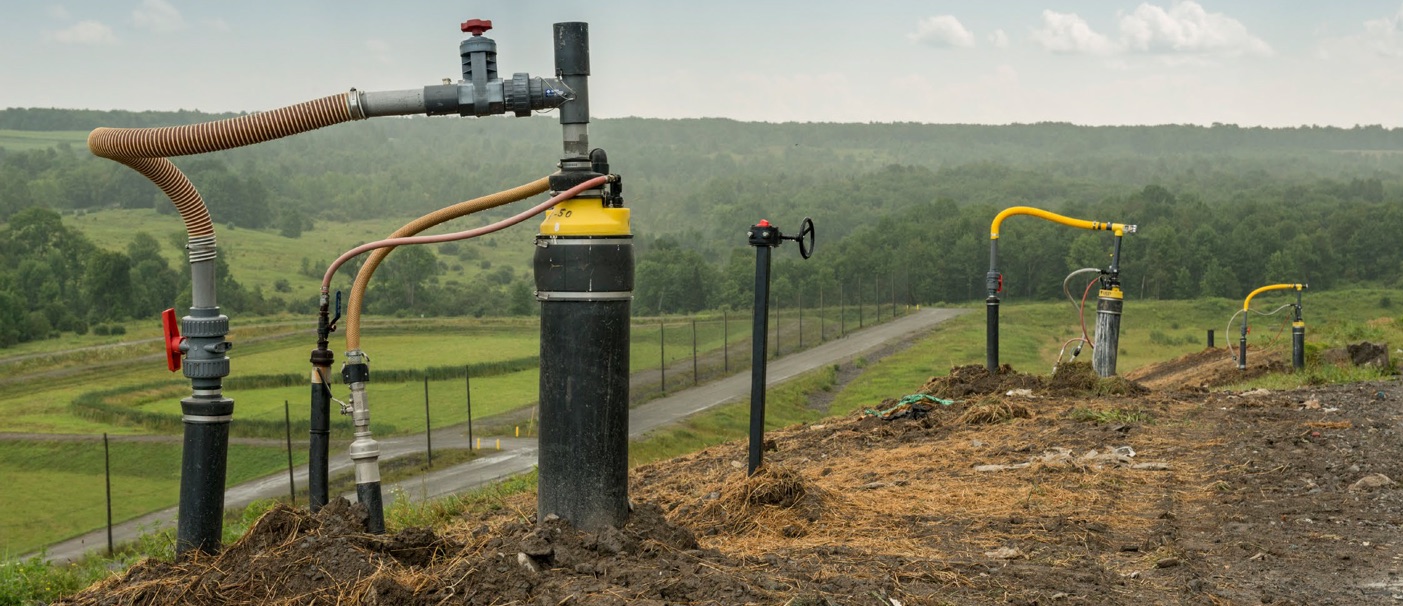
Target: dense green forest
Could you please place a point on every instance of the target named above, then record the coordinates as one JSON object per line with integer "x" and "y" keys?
{"x": 902, "y": 210}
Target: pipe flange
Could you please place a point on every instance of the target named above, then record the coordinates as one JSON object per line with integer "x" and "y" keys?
{"x": 519, "y": 95}
{"x": 206, "y": 369}
{"x": 193, "y": 327}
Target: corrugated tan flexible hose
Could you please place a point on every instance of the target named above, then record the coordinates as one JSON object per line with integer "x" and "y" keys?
{"x": 442, "y": 215}
{"x": 146, "y": 149}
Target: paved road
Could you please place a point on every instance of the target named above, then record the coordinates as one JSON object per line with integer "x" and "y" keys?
{"x": 518, "y": 455}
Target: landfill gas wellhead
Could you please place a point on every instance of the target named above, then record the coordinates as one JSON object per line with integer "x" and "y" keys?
{"x": 1110, "y": 298}
{"x": 584, "y": 270}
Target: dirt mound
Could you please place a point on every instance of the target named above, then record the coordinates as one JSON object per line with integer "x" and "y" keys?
{"x": 1281, "y": 497}
{"x": 1212, "y": 367}
{"x": 1072, "y": 379}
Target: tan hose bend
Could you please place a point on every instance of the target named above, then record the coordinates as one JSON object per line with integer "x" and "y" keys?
{"x": 146, "y": 149}
{"x": 442, "y": 215}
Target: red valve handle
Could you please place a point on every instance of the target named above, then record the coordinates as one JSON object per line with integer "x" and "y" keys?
{"x": 1001, "y": 283}
{"x": 763, "y": 223}
{"x": 172, "y": 339}
{"x": 476, "y": 26}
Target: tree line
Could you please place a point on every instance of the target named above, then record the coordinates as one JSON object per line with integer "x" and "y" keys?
{"x": 1222, "y": 209}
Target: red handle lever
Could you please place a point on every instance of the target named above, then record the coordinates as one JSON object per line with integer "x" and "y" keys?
{"x": 172, "y": 339}
{"x": 476, "y": 27}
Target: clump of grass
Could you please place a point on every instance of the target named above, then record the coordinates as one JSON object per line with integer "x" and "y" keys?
{"x": 994, "y": 411}
{"x": 1118, "y": 416}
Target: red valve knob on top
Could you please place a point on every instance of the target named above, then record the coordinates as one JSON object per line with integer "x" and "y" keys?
{"x": 172, "y": 339}
{"x": 763, "y": 223}
{"x": 476, "y": 26}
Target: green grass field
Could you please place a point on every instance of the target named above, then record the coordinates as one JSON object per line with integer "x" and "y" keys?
{"x": 55, "y": 490}
{"x": 25, "y": 140}
{"x": 262, "y": 257}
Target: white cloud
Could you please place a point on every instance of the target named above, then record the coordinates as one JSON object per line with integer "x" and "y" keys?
{"x": 943, "y": 31}
{"x": 1184, "y": 30}
{"x": 1187, "y": 28}
{"x": 999, "y": 39}
{"x": 158, "y": 16}
{"x": 58, "y": 11}
{"x": 1384, "y": 35}
{"x": 1069, "y": 33}
{"x": 84, "y": 32}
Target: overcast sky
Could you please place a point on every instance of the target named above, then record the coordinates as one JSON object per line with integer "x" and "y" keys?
{"x": 1249, "y": 62}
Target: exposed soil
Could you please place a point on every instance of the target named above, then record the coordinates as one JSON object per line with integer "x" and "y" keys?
{"x": 1021, "y": 489}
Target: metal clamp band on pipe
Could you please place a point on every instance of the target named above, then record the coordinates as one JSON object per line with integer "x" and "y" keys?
{"x": 542, "y": 295}
{"x": 207, "y": 418}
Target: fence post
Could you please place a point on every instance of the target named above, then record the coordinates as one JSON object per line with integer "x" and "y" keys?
{"x": 821, "y": 337}
{"x": 291, "y": 482}
{"x": 726, "y": 342}
{"x": 842, "y": 312}
{"x": 107, "y": 472}
{"x": 801, "y": 319}
{"x": 859, "y": 302}
{"x": 428, "y": 424}
{"x": 662, "y": 356}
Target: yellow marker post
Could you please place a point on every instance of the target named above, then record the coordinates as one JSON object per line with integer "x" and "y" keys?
{"x": 499, "y": 443}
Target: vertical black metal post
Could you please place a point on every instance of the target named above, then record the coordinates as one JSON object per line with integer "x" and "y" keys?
{"x": 759, "y": 331}
{"x": 428, "y": 425}
{"x": 107, "y": 473}
{"x": 291, "y": 479}
{"x": 695, "y": 377}
{"x": 662, "y": 357}
{"x": 1210, "y": 338}
{"x": 468, "y": 396}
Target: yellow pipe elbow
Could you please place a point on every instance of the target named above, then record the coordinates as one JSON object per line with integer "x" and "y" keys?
{"x": 1120, "y": 229}
{"x": 1248, "y": 301}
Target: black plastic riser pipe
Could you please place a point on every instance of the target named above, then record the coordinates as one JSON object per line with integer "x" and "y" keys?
{"x": 199, "y": 523}
{"x": 319, "y": 441}
{"x": 1107, "y": 338}
{"x": 991, "y": 334}
{"x": 368, "y": 494}
{"x": 1298, "y": 347}
{"x": 760, "y": 331}
{"x": 1242, "y": 351}
{"x": 585, "y": 287}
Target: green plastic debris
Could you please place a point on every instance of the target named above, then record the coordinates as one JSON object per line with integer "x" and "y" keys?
{"x": 915, "y": 406}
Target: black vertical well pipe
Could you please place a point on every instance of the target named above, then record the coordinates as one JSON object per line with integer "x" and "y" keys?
{"x": 759, "y": 332}
{"x": 991, "y": 333}
{"x": 319, "y": 433}
{"x": 1210, "y": 338}
{"x": 203, "y": 467}
{"x": 585, "y": 286}
{"x": 1298, "y": 338}
{"x": 1242, "y": 345}
{"x": 1107, "y": 337}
